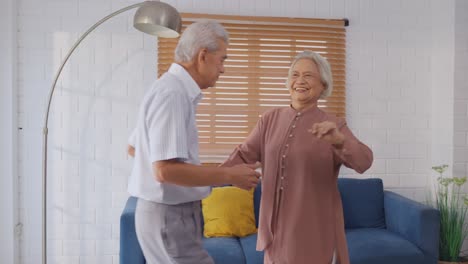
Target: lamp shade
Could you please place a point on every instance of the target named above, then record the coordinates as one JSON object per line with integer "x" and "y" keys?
{"x": 158, "y": 19}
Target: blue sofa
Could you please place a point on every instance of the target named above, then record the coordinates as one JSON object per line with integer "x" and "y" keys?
{"x": 381, "y": 227}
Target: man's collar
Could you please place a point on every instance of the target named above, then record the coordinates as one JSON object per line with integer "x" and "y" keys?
{"x": 190, "y": 85}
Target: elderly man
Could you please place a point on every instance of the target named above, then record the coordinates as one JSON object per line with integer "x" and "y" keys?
{"x": 166, "y": 176}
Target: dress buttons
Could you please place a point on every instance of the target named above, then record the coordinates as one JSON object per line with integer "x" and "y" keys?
{"x": 298, "y": 114}
{"x": 294, "y": 126}
{"x": 287, "y": 145}
{"x": 281, "y": 188}
{"x": 290, "y": 135}
{"x": 284, "y": 156}
{"x": 282, "y": 178}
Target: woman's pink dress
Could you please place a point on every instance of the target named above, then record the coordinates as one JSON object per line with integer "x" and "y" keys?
{"x": 301, "y": 215}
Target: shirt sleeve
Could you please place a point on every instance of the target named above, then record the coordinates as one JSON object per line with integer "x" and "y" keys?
{"x": 167, "y": 125}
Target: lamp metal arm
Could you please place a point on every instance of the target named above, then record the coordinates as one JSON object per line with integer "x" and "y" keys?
{"x": 77, "y": 43}
{"x": 46, "y": 120}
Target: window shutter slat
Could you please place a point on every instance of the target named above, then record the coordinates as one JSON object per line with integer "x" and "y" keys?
{"x": 260, "y": 52}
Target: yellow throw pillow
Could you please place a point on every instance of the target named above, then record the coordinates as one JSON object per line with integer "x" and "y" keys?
{"x": 229, "y": 212}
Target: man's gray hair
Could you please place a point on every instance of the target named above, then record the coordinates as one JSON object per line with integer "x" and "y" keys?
{"x": 202, "y": 34}
{"x": 323, "y": 67}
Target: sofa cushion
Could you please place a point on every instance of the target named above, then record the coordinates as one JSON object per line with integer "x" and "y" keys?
{"x": 249, "y": 245}
{"x": 229, "y": 212}
{"x": 224, "y": 250}
{"x": 375, "y": 245}
{"x": 130, "y": 248}
{"x": 363, "y": 202}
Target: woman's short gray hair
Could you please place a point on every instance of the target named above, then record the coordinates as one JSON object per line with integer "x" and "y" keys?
{"x": 323, "y": 67}
{"x": 202, "y": 34}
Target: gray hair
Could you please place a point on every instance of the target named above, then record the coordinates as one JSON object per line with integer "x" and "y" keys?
{"x": 200, "y": 35}
{"x": 323, "y": 67}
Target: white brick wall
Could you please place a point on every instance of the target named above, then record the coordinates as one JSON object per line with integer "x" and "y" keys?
{"x": 461, "y": 91}
{"x": 393, "y": 76}
{"x": 442, "y": 65}
{"x": 8, "y": 132}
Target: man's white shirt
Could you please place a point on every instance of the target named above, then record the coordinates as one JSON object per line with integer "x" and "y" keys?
{"x": 166, "y": 129}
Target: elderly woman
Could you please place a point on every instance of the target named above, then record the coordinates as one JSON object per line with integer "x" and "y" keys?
{"x": 301, "y": 149}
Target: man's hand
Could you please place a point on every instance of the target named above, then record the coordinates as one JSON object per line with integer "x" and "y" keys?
{"x": 131, "y": 151}
{"x": 329, "y": 132}
{"x": 244, "y": 176}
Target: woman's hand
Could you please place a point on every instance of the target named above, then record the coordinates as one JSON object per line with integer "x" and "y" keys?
{"x": 328, "y": 131}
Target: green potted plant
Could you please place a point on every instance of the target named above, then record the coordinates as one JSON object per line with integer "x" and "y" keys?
{"x": 453, "y": 206}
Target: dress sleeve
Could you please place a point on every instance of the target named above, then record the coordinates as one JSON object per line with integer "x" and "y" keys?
{"x": 250, "y": 151}
{"x": 353, "y": 154}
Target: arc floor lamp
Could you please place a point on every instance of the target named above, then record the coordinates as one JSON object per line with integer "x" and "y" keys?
{"x": 152, "y": 17}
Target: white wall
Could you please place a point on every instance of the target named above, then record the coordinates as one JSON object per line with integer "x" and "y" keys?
{"x": 460, "y": 105}
{"x": 8, "y": 117}
{"x": 461, "y": 90}
{"x": 442, "y": 80}
{"x": 392, "y": 78}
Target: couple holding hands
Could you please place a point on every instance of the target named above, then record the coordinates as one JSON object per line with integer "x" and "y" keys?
{"x": 300, "y": 149}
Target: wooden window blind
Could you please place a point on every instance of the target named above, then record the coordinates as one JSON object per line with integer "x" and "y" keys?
{"x": 259, "y": 55}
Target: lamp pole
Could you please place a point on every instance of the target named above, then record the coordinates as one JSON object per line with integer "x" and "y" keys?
{"x": 155, "y": 18}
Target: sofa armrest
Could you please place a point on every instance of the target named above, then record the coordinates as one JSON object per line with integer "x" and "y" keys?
{"x": 130, "y": 250}
{"x": 414, "y": 221}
